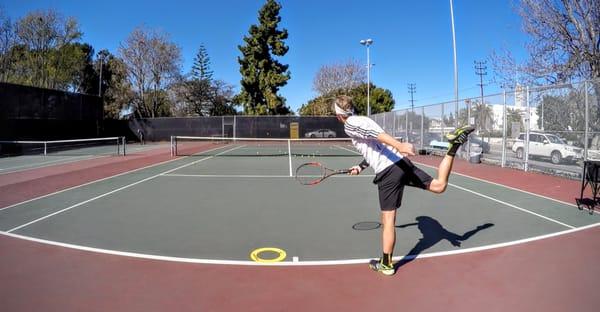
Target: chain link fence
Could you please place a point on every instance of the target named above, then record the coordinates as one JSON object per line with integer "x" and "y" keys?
{"x": 550, "y": 129}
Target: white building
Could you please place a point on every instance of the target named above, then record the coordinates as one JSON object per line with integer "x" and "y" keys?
{"x": 498, "y": 110}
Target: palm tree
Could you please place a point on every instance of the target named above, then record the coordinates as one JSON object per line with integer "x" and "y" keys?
{"x": 484, "y": 116}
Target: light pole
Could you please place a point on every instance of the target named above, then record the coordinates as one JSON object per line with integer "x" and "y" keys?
{"x": 101, "y": 56}
{"x": 367, "y": 43}
{"x": 455, "y": 66}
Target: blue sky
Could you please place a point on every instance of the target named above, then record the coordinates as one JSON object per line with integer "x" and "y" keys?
{"x": 412, "y": 39}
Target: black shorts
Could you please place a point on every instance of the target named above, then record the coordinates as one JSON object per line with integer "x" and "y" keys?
{"x": 392, "y": 180}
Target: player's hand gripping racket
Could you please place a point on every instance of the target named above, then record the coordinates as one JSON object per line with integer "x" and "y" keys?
{"x": 313, "y": 173}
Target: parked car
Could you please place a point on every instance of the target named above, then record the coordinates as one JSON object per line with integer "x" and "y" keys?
{"x": 321, "y": 133}
{"x": 547, "y": 146}
{"x": 434, "y": 140}
{"x": 428, "y": 137}
{"x": 435, "y": 144}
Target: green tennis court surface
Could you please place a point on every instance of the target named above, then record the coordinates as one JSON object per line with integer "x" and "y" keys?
{"x": 208, "y": 207}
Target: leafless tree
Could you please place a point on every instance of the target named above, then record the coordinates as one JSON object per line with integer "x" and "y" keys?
{"x": 564, "y": 46}
{"x": 565, "y": 42}
{"x": 193, "y": 97}
{"x": 152, "y": 63}
{"x": 196, "y": 97}
{"x": 134, "y": 53}
{"x": 339, "y": 76}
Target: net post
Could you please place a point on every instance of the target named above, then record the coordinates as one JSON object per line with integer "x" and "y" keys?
{"x": 289, "y": 143}
{"x": 124, "y": 146}
{"x": 527, "y": 125}
{"x": 504, "y": 129}
{"x": 587, "y": 122}
{"x": 172, "y": 146}
{"x": 45, "y": 148}
{"x": 406, "y": 124}
{"x": 422, "y": 127}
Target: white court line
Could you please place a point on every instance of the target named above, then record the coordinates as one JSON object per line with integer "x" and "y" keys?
{"x": 91, "y": 182}
{"x": 253, "y": 176}
{"x": 293, "y": 262}
{"x": 342, "y": 176}
{"x": 48, "y": 163}
{"x": 113, "y": 191}
{"x": 503, "y": 202}
{"x": 502, "y": 185}
{"x": 511, "y": 205}
{"x": 88, "y": 183}
{"x": 71, "y": 159}
{"x": 347, "y": 149}
{"x": 223, "y": 176}
{"x": 95, "y": 181}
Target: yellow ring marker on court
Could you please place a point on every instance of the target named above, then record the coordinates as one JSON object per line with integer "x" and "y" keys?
{"x": 280, "y": 254}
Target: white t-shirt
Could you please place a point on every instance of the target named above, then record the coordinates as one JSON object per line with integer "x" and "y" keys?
{"x": 364, "y": 132}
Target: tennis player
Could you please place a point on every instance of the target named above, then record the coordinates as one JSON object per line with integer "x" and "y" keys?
{"x": 393, "y": 170}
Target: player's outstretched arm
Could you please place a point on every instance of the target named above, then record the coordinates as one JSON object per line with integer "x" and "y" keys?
{"x": 405, "y": 149}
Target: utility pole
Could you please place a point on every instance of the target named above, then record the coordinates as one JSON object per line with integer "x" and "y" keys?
{"x": 480, "y": 70}
{"x": 412, "y": 89}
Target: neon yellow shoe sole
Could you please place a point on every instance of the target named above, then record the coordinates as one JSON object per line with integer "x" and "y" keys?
{"x": 377, "y": 266}
{"x": 460, "y": 135}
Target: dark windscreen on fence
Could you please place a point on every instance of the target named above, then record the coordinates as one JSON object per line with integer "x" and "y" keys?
{"x": 283, "y": 127}
{"x": 43, "y": 114}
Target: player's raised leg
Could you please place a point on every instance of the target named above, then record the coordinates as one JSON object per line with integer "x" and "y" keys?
{"x": 456, "y": 139}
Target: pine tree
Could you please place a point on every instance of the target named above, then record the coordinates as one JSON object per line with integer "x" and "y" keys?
{"x": 201, "y": 68}
{"x": 262, "y": 75}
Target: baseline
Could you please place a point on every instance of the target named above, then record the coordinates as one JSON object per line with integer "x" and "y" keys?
{"x": 295, "y": 262}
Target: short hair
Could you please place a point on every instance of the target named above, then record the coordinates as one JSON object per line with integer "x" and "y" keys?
{"x": 344, "y": 102}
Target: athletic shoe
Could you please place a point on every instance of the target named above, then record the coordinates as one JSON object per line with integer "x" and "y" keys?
{"x": 460, "y": 135}
{"x": 378, "y": 266}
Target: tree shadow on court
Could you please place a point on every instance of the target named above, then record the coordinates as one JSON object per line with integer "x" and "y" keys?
{"x": 433, "y": 232}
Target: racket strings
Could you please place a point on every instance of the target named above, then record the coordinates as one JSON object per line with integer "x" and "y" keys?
{"x": 310, "y": 173}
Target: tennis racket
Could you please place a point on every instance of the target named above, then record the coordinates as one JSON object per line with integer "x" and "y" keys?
{"x": 313, "y": 173}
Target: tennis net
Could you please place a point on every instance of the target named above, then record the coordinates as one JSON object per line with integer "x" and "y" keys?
{"x": 78, "y": 147}
{"x": 222, "y": 146}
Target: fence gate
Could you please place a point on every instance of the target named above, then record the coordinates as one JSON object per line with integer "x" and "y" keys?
{"x": 228, "y": 126}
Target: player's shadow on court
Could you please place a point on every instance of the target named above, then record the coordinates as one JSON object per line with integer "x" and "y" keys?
{"x": 433, "y": 232}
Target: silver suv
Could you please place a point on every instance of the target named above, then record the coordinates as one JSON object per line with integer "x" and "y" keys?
{"x": 548, "y": 146}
